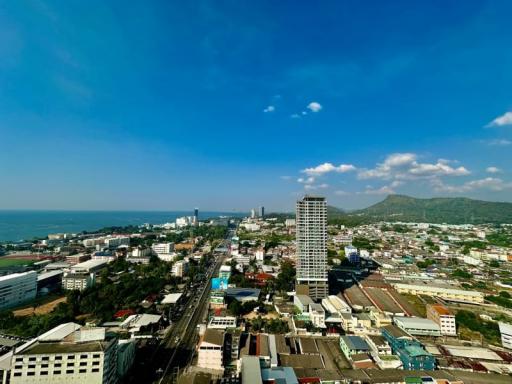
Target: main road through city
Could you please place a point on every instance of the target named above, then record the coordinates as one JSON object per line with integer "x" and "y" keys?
{"x": 176, "y": 350}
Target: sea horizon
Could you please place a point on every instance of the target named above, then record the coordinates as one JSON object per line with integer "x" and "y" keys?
{"x": 27, "y": 224}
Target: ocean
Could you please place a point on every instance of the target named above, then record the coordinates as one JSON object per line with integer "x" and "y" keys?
{"x": 16, "y": 225}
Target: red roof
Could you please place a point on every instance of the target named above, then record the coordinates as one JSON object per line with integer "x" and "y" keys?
{"x": 309, "y": 380}
{"x": 123, "y": 313}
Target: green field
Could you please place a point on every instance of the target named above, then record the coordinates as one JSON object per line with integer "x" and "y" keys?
{"x": 6, "y": 263}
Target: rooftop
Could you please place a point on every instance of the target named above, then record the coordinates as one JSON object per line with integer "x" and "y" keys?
{"x": 416, "y": 323}
{"x": 396, "y": 332}
{"x": 214, "y": 336}
{"x": 43, "y": 348}
{"x": 441, "y": 309}
{"x": 355, "y": 343}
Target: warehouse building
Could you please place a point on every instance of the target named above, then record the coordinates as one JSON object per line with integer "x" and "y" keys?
{"x": 445, "y": 293}
{"x": 417, "y": 326}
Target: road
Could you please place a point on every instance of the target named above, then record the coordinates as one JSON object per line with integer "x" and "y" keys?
{"x": 183, "y": 336}
{"x": 157, "y": 362}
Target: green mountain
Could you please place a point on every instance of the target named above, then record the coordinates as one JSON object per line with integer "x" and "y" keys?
{"x": 458, "y": 210}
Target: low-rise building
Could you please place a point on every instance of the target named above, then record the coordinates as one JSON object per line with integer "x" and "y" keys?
{"x": 506, "y": 335}
{"x": 417, "y": 326}
{"x": 443, "y": 317}
{"x": 409, "y": 350}
{"x": 222, "y": 322}
{"x": 77, "y": 281}
{"x": 446, "y": 293}
{"x": 17, "y": 288}
{"x": 211, "y": 349}
{"x": 302, "y": 302}
{"x": 67, "y": 354}
{"x": 179, "y": 268}
{"x": 317, "y": 315}
{"x": 353, "y": 345}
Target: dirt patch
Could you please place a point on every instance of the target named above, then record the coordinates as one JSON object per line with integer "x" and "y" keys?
{"x": 40, "y": 309}
{"x": 254, "y": 315}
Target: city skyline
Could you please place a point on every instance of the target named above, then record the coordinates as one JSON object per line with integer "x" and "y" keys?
{"x": 230, "y": 106}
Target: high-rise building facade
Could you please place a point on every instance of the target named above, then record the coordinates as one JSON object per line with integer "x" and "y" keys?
{"x": 262, "y": 212}
{"x": 311, "y": 231}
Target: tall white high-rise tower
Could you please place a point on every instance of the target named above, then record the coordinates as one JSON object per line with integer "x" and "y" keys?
{"x": 311, "y": 231}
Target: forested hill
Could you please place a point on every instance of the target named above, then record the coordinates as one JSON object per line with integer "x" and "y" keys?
{"x": 458, "y": 210}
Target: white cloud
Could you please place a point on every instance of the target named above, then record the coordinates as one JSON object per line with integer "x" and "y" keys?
{"x": 405, "y": 166}
{"x": 340, "y": 192}
{"x": 488, "y": 183}
{"x": 270, "y": 108}
{"x": 501, "y": 121}
{"x": 493, "y": 170}
{"x": 314, "y": 106}
{"x": 311, "y": 187}
{"x": 498, "y": 142}
{"x": 307, "y": 180}
{"x": 327, "y": 168}
{"x": 295, "y": 116}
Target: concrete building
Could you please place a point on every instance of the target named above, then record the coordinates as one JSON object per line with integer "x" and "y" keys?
{"x": 77, "y": 281}
{"x": 409, "y": 350}
{"x": 17, "y": 288}
{"x": 353, "y": 345}
{"x": 311, "y": 234}
{"x": 445, "y": 293}
{"x": 317, "y": 315}
{"x": 67, "y": 354}
{"x": 116, "y": 241}
{"x": 163, "y": 248}
{"x": 179, "y": 268}
{"x": 302, "y": 302}
{"x": 289, "y": 223}
{"x": 211, "y": 350}
{"x": 225, "y": 272}
{"x": 78, "y": 258}
{"x": 443, "y": 317}
{"x": 417, "y": 326}
{"x": 222, "y": 322}
{"x": 89, "y": 266}
{"x": 506, "y": 335}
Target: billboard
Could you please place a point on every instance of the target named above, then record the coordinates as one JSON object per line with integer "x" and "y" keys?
{"x": 220, "y": 283}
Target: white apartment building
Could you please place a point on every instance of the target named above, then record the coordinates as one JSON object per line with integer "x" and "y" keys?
{"x": 289, "y": 222}
{"x": 179, "y": 268}
{"x": 17, "y": 288}
{"x": 66, "y": 354}
{"x": 506, "y": 335}
{"x": 93, "y": 242}
{"x": 140, "y": 252}
{"x": 317, "y": 315}
{"x": 211, "y": 350}
{"x": 443, "y": 317}
{"x": 116, "y": 241}
{"x": 77, "y": 281}
{"x": 311, "y": 234}
{"x": 163, "y": 248}
{"x": 260, "y": 254}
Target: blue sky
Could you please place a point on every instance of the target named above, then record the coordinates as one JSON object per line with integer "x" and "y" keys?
{"x": 230, "y": 104}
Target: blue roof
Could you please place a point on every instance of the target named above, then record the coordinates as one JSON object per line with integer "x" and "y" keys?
{"x": 415, "y": 350}
{"x": 283, "y": 375}
{"x": 355, "y": 343}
